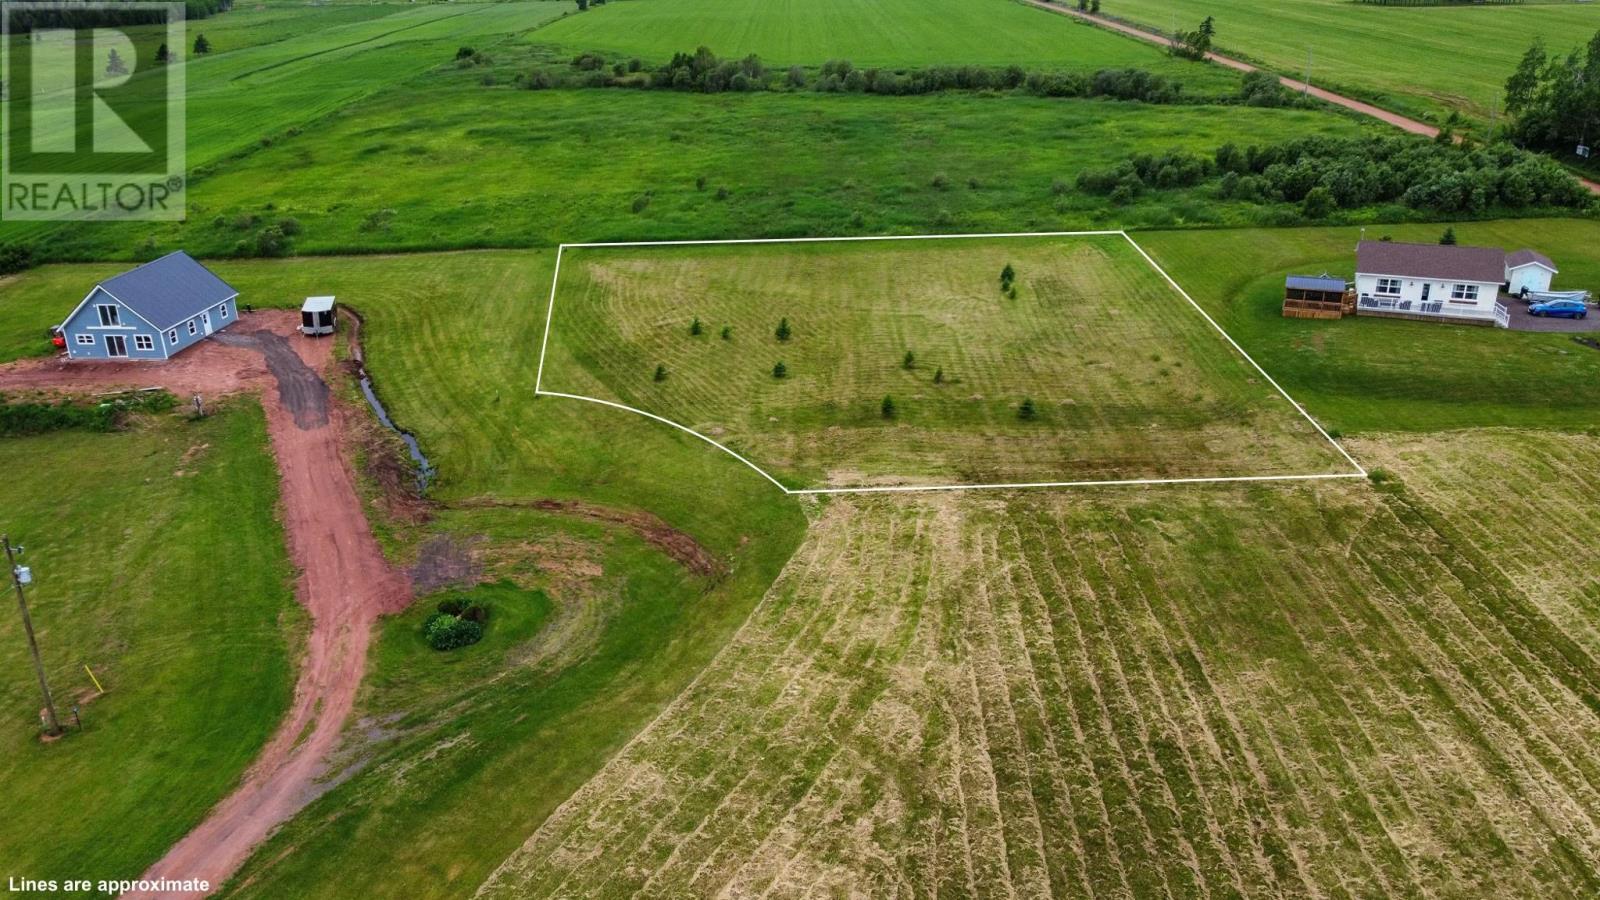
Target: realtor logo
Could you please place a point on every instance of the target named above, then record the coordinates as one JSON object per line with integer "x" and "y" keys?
{"x": 92, "y": 115}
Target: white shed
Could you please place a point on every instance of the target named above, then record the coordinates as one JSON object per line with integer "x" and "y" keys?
{"x": 317, "y": 315}
{"x": 1528, "y": 270}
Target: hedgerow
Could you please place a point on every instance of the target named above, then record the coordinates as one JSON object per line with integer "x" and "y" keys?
{"x": 1323, "y": 174}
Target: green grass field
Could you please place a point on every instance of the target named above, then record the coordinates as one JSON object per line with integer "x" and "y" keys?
{"x": 1423, "y": 61}
{"x": 463, "y": 165}
{"x": 1364, "y": 374}
{"x": 160, "y": 563}
{"x": 1127, "y": 379}
{"x": 890, "y": 33}
{"x": 549, "y": 695}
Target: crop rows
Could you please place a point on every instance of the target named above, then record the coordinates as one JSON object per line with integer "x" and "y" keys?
{"x": 1307, "y": 691}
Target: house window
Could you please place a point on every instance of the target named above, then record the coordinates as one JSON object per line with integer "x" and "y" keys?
{"x": 1464, "y": 293}
{"x": 144, "y": 342}
{"x": 1389, "y": 287}
{"x": 108, "y": 315}
{"x": 86, "y": 340}
{"x": 192, "y": 327}
{"x": 172, "y": 336}
{"x": 224, "y": 309}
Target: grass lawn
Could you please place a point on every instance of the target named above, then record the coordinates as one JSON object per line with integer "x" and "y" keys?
{"x": 1423, "y": 61}
{"x": 455, "y": 164}
{"x": 1365, "y": 374}
{"x": 548, "y": 695}
{"x": 1127, "y": 380}
{"x": 889, "y": 33}
{"x": 160, "y": 563}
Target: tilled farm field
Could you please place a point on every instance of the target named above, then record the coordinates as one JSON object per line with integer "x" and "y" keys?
{"x": 1313, "y": 690}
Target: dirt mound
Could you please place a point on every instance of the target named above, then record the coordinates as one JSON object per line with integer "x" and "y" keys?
{"x": 685, "y": 550}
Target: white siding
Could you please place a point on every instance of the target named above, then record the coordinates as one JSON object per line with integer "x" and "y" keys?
{"x": 1438, "y": 292}
{"x": 1531, "y": 275}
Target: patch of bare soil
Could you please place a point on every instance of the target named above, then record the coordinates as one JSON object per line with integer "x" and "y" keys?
{"x": 444, "y": 562}
{"x": 345, "y": 583}
{"x": 676, "y": 544}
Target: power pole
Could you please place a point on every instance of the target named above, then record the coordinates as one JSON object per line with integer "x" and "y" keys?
{"x": 27, "y": 626}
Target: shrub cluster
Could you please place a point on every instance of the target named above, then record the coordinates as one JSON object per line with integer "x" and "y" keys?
{"x": 17, "y": 419}
{"x": 458, "y": 623}
{"x": 1324, "y": 174}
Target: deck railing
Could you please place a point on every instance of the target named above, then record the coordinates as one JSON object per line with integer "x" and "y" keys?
{"x": 1502, "y": 316}
{"x": 1413, "y": 307}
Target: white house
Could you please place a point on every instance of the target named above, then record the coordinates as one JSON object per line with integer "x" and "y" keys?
{"x": 1528, "y": 270}
{"x": 1429, "y": 280}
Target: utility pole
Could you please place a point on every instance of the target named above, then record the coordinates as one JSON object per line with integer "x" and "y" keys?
{"x": 27, "y": 626}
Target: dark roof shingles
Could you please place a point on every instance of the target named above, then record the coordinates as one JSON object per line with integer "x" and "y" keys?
{"x": 1441, "y": 261}
{"x": 169, "y": 290}
{"x": 1524, "y": 257}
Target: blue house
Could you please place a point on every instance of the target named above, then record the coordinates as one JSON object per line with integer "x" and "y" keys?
{"x": 151, "y": 312}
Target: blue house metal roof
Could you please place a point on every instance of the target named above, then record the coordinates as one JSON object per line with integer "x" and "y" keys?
{"x": 169, "y": 290}
{"x": 1309, "y": 283}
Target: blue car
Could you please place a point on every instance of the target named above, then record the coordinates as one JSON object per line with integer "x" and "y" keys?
{"x": 1562, "y": 309}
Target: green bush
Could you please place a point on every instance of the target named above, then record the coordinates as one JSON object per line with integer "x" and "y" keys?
{"x": 446, "y": 632}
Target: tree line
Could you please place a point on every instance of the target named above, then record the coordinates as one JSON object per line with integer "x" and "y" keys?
{"x": 1322, "y": 175}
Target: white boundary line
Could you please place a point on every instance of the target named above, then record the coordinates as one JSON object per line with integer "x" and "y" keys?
{"x": 549, "y": 321}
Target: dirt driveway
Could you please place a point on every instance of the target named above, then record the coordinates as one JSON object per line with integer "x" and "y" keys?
{"x": 344, "y": 583}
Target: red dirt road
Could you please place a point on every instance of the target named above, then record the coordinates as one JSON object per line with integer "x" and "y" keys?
{"x": 345, "y": 583}
{"x": 1383, "y": 115}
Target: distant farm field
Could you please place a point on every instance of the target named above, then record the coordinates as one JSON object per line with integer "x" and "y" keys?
{"x": 1124, "y": 379}
{"x": 1248, "y": 692}
{"x": 889, "y": 33}
{"x": 464, "y": 165}
{"x": 1422, "y": 60}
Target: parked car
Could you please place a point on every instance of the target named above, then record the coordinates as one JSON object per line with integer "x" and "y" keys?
{"x": 1563, "y": 309}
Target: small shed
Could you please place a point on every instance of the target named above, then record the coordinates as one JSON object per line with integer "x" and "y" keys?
{"x": 1317, "y": 297}
{"x": 318, "y": 315}
{"x": 1529, "y": 271}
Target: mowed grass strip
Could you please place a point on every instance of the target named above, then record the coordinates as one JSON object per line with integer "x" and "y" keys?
{"x": 1125, "y": 378}
{"x": 1427, "y": 60}
{"x": 1245, "y": 692}
{"x": 159, "y": 562}
{"x": 890, "y": 33}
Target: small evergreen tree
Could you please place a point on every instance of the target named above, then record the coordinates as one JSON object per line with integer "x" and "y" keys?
{"x": 162, "y": 56}
{"x": 1094, "y": 6}
{"x": 910, "y": 361}
{"x": 1448, "y": 238}
{"x": 114, "y": 63}
{"x": 695, "y": 328}
{"x": 661, "y": 373}
{"x": 727, "y": 332}
{"x": 1007, "y": 275}
{"x": 201, "y": 45}
{"x": 886, "y": 408}
{"x": 938, "y": 376}
{"x": 782, "y": 333}
{"x": 1026, "y": 412}
{"x": 780, "y": 370}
